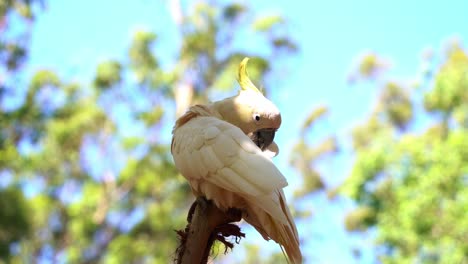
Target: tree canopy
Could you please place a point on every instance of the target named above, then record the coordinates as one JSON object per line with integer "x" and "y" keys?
{"x": 86, "y": 173}
{"x": 410, "y": 172}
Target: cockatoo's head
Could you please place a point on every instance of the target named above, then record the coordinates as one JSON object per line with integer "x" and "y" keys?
{"x": 255, "y": 115}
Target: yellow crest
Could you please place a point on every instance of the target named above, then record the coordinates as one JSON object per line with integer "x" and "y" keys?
{"x": 243, "y": 78}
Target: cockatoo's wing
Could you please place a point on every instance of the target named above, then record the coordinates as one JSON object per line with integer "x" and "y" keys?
{"x": 207, "y": 148}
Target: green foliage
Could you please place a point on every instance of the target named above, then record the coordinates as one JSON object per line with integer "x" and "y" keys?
{"x": 413, "y": 186}
{"x": 108, "y": 74}
{"x": 285, "y": 43}
{"x": 306, "y": 155}
{"x": 15, "y": 219}
{"x": 451, "y": 84}
{"x": 313, "y": 117}
{"x": 13, "y": 49}
{"x": 312, "y": 182}
{"x": 254, "y": 256}
{"x": 265, "y": 23}
{"x": 142, "y": 60}
{"x": 397, "y": 105}
{"x": 92, "y": 178}
{"x": 12, "y": 55}
{"x": 233, "y": 11}
{"x": 369, "y": 66}
{"x": 22, "y": 8}
{"x": 360, "y": 218}
{"x": 374, "y": 127}
{"x": 409, "y": 182}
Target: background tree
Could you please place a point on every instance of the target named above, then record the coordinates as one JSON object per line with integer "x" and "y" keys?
{"x": 86, "y": 172}
{"x": 15, "y": 214}
{"x": 409, "y": 175}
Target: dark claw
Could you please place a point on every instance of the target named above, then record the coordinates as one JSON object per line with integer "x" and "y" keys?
{"x": 226, "y": 230}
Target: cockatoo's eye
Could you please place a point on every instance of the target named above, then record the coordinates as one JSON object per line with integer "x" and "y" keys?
{"x": 256, "y": 117}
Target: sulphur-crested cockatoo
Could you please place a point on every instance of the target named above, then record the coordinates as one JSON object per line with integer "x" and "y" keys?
{"x": 224, "y": 150}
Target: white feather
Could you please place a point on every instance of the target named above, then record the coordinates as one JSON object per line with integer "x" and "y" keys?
{"x": 223, "y": 164}
{"x": 257, "y": 176}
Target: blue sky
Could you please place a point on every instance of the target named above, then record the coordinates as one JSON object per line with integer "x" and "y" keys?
{"x": 73, "y": 36}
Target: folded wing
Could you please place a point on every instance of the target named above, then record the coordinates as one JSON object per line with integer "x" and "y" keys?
{"x": 207, "y": 148}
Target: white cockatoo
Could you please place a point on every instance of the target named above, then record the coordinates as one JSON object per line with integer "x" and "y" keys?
{"x": 224, "y": 150}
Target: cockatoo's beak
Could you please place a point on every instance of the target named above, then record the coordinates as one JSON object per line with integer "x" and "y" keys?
{"x": 272, "y": 150}
{"x": 263, "y": 137}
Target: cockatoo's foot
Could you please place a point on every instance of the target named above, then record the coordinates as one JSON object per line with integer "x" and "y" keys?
{"x": 206, "y": 224}
{"x": 234, "y": 214}
{"x": 226, "y": 230}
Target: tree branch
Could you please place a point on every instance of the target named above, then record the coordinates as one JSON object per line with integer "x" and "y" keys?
{"x": 206, "y": 223}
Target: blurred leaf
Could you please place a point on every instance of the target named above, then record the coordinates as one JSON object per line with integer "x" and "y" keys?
{"x": 397, "y": 104}
{"x": 363, "y": 135}
{"x": 265, "y": 23}
{"x": 12, "y": 55}
{"x": 108, "y": 74}
{"x": 225, "y": 79}
{"x": 285, "y": 43}
{"x": 360, "y": 219}
{"x": 15, "y": 221}
{"x": 311, "y": 183}
{"x": 369, "y": 65}
{"x": 24, "y": 10}
{"x": 153, "y": 117}
{"x": 233, "y": 11}
{"x": 313, "y": 116}
{"x": 132, "y": 142}
{"x": 142, "y": 60}
{"x": 333, "y": 193}
{"x": 42, "y": 78}
{"x": 451, "y": 84}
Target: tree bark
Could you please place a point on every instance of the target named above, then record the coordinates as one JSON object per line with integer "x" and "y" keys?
{"x": 206, "y": 224}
